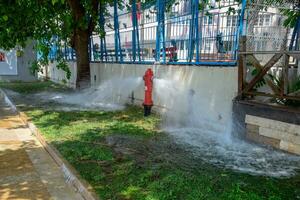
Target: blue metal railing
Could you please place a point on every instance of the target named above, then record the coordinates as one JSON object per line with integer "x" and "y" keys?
{"x": 169, "y": 32}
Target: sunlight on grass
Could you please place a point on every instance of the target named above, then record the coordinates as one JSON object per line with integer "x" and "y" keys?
{"x": 82, "y": 138}
{"x": 32, "y": 87}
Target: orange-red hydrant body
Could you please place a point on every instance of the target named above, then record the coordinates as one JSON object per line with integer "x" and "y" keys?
{"x": 148, "y": 103}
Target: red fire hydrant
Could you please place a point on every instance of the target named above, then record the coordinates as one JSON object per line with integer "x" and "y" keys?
{"x": 148, "y": 103}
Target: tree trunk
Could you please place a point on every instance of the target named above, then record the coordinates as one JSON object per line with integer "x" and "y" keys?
{"x": 80, "y": 38}
{"x": 82, "y": 55}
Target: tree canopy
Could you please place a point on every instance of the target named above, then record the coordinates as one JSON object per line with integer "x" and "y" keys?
{"x": 51, "y": 21}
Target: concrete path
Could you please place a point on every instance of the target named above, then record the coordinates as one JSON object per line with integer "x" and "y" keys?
{"x": 26, "y": 169}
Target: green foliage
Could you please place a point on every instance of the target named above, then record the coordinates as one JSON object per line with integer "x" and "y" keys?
{"x": 50, "y": 22}
{"x": 293, "y": 88}
{"x": 292, "y": 16}
{"x": 259, "y": 83}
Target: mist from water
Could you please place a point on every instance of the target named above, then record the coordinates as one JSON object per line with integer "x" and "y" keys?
{"x": 196, "y": 122}
{"x": 111, "y": 95}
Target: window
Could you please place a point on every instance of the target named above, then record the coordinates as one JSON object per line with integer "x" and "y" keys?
{"x": 267, "y": 20}
{"x": 232, "y": 21}
{"x": 207, "y": 20}
{"x": 263, "y": 20}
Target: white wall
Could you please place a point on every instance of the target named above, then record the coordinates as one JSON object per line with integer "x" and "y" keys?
{"x": 214, "y": 88}
{"x": 59, "y": 76}
{"x": 9, "y": 65}
{"x": 17, "y": 68}
{"x": 210, "y": 105}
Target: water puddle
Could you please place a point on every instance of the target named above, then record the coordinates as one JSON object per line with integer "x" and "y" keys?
{"x": 224, "y": 151}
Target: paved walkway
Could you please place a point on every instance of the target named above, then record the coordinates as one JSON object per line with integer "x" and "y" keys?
{"x": 26, "y": 169}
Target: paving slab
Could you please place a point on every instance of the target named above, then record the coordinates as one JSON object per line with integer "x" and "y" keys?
{"x": 27, "y": 172}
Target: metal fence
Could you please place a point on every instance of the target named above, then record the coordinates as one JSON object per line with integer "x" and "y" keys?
{"x": 170, "y": 32}
{"x": 186, "y": 31}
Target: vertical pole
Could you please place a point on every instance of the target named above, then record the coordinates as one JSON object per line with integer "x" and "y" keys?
{"x": 103, "y": 51}
{"x": 138, "y": 36}
{"x": 196, "y": 5}
{"x": 133, "y": 17}
{"x": 193, "y": 33}
{"x": 91, "y": 48}
{"x": 241, "y": 65}
{"x": 157, "y": 53}
{"x": 295, "y": 35}
{"x": 160, "y": 31}
{"x": 285, "y": 69}
{"x": 65, "y": 54}
{"x": 200, "y": 34}
{"x": 135, "y": 33}
{"x": 118, "y": 50}
{"x": 242, "y": 18}
{"x": 241, "y": 30}
{"x": 72, "y": 54}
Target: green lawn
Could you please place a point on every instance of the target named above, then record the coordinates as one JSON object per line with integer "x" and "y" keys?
{"x": 83, "y": 139}
{"x": 32, "y": 87}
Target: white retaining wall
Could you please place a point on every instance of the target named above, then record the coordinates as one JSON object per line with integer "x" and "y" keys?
{"x": 59, "y": 76}
{"x": 214, "y": 88}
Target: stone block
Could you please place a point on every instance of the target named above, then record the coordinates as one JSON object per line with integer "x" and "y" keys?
{"x": 281, "y": 135}
{"x": 255, "y": 137}
{"x": 252, "y": 128}
{"x": 289, "y": 147}
{"x": 273, "y": 124}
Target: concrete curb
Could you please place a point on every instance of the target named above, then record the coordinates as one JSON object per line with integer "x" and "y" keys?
{"x": 71, "y": 175}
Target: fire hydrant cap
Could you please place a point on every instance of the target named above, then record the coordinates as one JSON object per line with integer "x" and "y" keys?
{"x": 149, "y": 72}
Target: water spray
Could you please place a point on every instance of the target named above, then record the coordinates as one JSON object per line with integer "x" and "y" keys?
{"x": 148, "y": 103}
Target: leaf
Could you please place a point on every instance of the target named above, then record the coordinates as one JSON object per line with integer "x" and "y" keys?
{"x": 5, "y": 17}
{"x": 54, "y": 2}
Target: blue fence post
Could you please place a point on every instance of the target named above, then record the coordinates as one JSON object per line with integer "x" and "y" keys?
{"x": 160, "y": 30}
{"x": 118, "y": 49}
{"x": 133, "y": 18}
{"x": 295, "y": 36}
{"x": 103, "y": 51}
{"x": 194, "y": 32}
{"x": 91, "y": 47}
{"x": 200, "y": 33}
{"x": 240, "y": 30}
{"x": 135, "y": 33}
{"x": 65, "y": 51}
{"x": 242, "y": 16}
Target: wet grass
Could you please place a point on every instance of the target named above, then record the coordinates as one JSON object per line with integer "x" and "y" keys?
{"x": 32, "y": 87}
{"x": 82, "y": 138}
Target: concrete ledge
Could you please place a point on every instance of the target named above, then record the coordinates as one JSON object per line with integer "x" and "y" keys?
{"x": 289, "y": 137}
{"x": 273, "y": 124}
{"x": 290, "y": 147}
{"x": 70, "y": 174}
{"x": 281, "y": 135}
{"x": 253, "y": 136}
